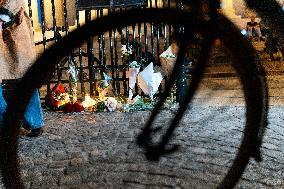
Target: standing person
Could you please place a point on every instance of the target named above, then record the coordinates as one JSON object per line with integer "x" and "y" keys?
{"x": 252, "y": 25}
{"x": 17, "y": 53}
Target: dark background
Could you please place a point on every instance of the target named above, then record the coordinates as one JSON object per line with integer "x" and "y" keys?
{"x": 94, "y": 4}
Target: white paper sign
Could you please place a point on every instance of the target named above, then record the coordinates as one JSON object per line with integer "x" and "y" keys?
{"x": 149, "y": 81}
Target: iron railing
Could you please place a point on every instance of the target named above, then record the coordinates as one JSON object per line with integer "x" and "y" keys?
{"x": 103, "y": 52}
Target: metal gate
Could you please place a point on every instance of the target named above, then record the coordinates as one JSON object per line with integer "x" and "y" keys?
{"x": 52, "y": 19}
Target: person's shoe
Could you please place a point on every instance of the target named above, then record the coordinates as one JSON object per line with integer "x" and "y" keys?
{"x": 26, "y": 126}
{"x": 35, "y": 132}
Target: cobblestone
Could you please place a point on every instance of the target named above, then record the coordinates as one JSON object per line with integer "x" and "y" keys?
{"x": 112, "y": 160}
{"x": 98, "y": 150}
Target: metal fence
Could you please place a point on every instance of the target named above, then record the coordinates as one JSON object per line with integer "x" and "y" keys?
{"x": 51, "y": 21}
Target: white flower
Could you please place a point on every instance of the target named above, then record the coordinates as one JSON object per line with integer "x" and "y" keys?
{"x": 111, "y": 104}
{"x": 130, "y": 50}
{"x": 134, "y": 64}
{"x": 168, "y": 55}
{"x": 124, "y": 50}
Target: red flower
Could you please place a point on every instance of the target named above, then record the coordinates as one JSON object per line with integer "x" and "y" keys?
{"x": 53, "y": 101}
{"x": 78, "y": 107}
{"x": 68, "y": 108}
{"x": 58, "y": 88}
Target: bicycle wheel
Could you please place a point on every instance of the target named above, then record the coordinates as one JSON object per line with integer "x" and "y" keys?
{"x": 38, "y": 73}
{"x": 256, "y": 97}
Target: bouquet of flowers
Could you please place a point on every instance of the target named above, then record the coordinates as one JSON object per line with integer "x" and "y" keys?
{"x": 111, "y": 104}
{"x": 102, "y": 85}
{"x": 57, "y": 97}
{"x": 168, "y": 60}
{"x": 73, "y": 78}
{"x": 108, "y": 104}
{"x": 126, "y": 53}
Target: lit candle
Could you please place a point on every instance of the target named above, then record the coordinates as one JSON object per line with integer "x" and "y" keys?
{"x": 88, "y": 101}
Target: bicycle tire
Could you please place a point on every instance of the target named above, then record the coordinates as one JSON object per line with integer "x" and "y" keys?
{"x": 36, "y": 75}
{"x": 256, "y": 97}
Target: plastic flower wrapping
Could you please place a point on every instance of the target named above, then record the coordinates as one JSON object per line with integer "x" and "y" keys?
{"x": 103, "y": 85}
{"x": 134, "y": 69}
{"x": 134, "y": 64}
{"x": 149, "y": 81}
{"x": 73, "y": 79}
{"x": 168, "y": 60}
{"x": 58, "y": 99}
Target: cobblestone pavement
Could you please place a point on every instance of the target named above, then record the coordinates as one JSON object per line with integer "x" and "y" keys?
{"x": 98, "y": 150}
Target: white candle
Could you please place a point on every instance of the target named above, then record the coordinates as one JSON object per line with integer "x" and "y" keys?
{"x": 88, "y": 102}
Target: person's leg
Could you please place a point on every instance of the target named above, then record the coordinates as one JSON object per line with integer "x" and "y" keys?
{"x": 3, "y": 106}
{"x": 258, "y": 32}
{"x": 33, "y": 117}
{"x": 249, "y": 30}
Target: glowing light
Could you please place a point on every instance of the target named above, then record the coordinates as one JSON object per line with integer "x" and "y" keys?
{"x": 244, "y": 32}
{"x": 88, "y": 102}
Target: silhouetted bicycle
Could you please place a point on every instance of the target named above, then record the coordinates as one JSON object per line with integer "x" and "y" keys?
{"x": 211, "y": 24}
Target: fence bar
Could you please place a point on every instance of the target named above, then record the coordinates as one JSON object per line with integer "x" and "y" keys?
{"x": 103, "y": 44}
{"x": 140, "y": 43}
{"x": 111, "y": 56}
{"x": 58, "y": 66}
{"x": 30, "y": 11}
{"x": 170, "y": 27}
{"x": 134, "y": 45}
{"x": 54, "y": 20}
{"x": 81, "y": 71}
{"x": 152, "y": 37}
{"x": 165, "y": 28}
{"x": 181, "y": 80}
{"x": 146, "y": 41}
{"x": 44, "y": 37}
{"x": 69, "y": 57}
{"x": 125, "y": 64}
{"x": 152, "y": 42}
{"x": 116, "y": 63}
{"x": 90, "y": 52}
{"x": 100, "y": 48}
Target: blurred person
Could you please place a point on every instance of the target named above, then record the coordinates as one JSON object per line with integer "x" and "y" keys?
{"x": 253, "y": 26}
{"x": 16, "y": 56}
